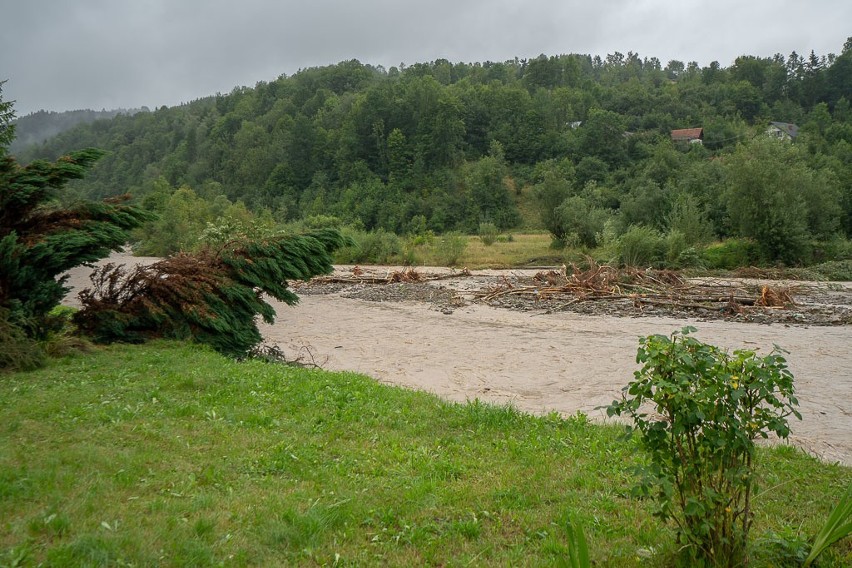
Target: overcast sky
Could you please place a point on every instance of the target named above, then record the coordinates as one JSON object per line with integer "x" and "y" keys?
{"x": 73, "y": 54}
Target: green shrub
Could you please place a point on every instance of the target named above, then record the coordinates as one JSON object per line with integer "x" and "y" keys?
{"x": 835, "y": 249}
{"x": 730, "y": 254}
{"x": 559, "y": 243}
{"x": 410, "y": 256}
{"x": 380, "y": 247}
{"x": 679, "y": 252}
{"x": 417, "y": 225}
{"x": 708, "y": 408}
{"x": 426, "y": 238}
{"x": 641, "y": 246}
{"x": 488, "y": 233}
{"x": 181, "y": 218}
{"x": 580, "y": 221}
{"x": 223, "y": 230}
{"x": 676, "y": 243}
{"x": 449, "y": 248}
{"x": 377, "y": 247}
{"x": 688, "y": 258}
{"x": 688, "y": 218}
{"x": 322, "y": 222}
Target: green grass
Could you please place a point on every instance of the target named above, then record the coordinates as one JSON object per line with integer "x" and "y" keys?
{"x": 523, "y": 250}
{"x": 168, "y": 454}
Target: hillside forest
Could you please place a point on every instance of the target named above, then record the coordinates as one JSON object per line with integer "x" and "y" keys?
{"x": 577, "y": 145}
{"x": 37, "y": 127}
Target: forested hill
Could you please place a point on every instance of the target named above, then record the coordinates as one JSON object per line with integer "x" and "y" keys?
{"x": 446, "y": 145}
{"x": 38, "y": 127}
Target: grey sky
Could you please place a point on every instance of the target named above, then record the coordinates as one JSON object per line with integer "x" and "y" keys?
{"x": 72, "y": 54}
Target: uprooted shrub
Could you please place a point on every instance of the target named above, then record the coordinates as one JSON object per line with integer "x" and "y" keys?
{"x": 212, "y": 296}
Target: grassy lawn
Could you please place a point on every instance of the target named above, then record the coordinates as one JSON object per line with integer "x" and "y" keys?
{"x": 169, "y": 454}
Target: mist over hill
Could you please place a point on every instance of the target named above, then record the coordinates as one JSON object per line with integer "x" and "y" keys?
{"x": 38, "y": 127}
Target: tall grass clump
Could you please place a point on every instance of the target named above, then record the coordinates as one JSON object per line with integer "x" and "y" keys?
{"x": 449, "y": 248}
{"x": 836, "y": 527}
{"x": 641, "y": 246}
{"x": 376, "y": 247}
{"x": 488, "y": 233}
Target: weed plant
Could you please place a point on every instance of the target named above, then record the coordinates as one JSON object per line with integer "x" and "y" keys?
{"x": 488, "y": 233}
{"x": 708, "y": 408}
{"x": 449, "y": 248}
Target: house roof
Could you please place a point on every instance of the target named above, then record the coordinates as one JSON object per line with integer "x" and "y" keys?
{"x": 790, "y": 130}
{"x": 687, "y": 134}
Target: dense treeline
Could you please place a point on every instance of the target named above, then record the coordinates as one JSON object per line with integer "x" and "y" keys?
{"x": 576, "y": 144}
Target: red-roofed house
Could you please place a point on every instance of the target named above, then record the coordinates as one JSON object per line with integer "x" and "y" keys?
{"x": 688, "y": 135}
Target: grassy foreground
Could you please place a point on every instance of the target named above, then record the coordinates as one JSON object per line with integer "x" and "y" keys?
{"x": 169, "y": 454}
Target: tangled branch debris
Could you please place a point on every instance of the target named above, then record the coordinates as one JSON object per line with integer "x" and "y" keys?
{"x": 775, "y": 297}
{"x": 593, "y": 288}
{"x": 642, "y": 287}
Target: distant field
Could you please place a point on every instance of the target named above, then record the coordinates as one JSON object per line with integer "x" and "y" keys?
{"x": 526, "y": 249}
{"x": 522, "y": 250}
{"x": 168, "y": 454}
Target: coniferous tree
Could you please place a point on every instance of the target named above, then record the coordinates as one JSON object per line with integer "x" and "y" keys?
{"x": 40, "y": 239}
{"x": 7, "y": 129}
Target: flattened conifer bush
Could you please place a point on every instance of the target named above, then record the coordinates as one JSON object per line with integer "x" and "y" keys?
{"x": 40, "y": 239}
{"x": 212, "y": 296}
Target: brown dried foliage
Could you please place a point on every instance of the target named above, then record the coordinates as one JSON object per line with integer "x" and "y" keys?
{"x": 179, "y": 282}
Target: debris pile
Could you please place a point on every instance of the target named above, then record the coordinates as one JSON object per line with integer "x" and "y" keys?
{"x": 640, "y": 286}
{"x": 595, "y": 289}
